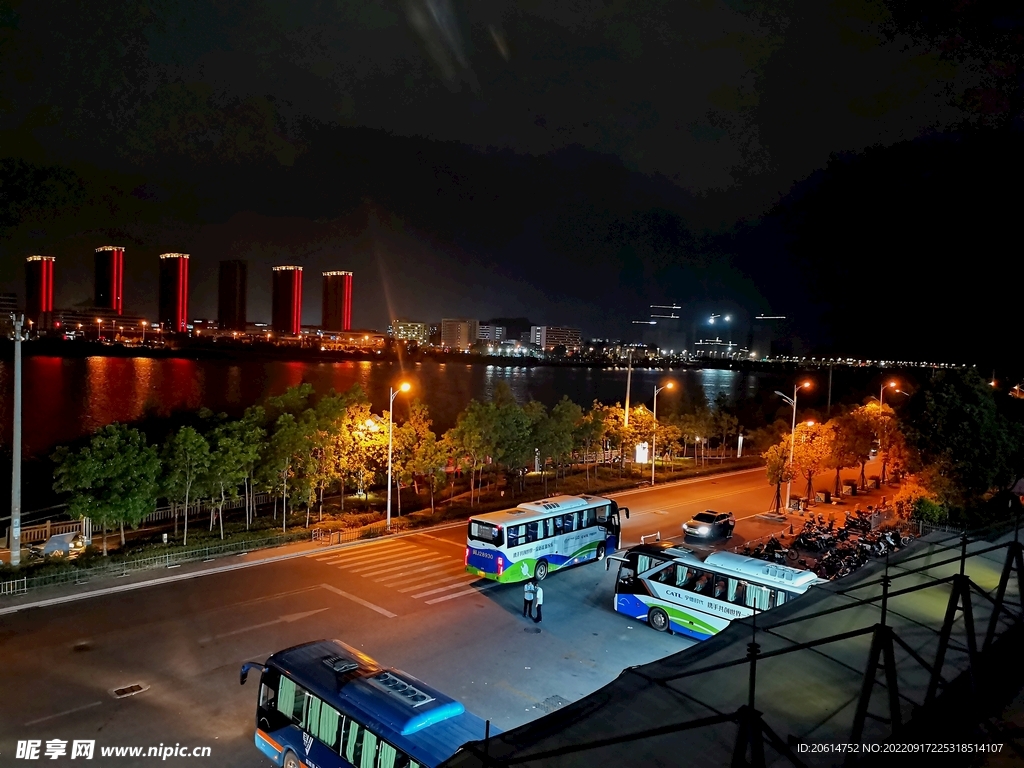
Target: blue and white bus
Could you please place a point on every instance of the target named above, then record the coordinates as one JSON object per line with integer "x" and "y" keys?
{"x": 533, "y": 539}
{"x": 326, "y": 705}
{"x": 673, "y": 590}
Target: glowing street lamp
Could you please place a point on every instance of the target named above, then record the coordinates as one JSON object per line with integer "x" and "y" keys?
{"x": 881, "y": 393}
{"x": 792, "y": 434}
{"x": 654, "y": 432}
{"x": 99, "y": 329}
{"x": 403, "y": 387}
{"x": 144, "y": 324}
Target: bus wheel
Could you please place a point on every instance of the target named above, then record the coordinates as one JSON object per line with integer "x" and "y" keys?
{"x": 541, "y": 571}
{"x": 600, "y": 551}
{"x": 658, "y": 619}
{"x": 291, "y": 761}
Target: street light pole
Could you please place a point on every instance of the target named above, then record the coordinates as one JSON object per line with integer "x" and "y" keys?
{"x": 143, "y": 333}
{"x": 15, "y": 536}
{"x": 654, "y": 432}
{"x": 792, "y": 437}
{"x": 404, "y": 387}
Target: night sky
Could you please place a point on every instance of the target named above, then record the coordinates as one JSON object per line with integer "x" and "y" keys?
{"x": 854, "y": 165}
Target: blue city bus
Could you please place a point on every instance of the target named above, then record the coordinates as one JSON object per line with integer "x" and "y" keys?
{"x": 326, "y": 705}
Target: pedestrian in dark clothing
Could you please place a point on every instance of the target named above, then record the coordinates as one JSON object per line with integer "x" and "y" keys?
{"x": 529, "y": 590}
{"x": 539, "y": 602}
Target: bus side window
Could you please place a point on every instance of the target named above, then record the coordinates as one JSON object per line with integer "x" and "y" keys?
{"x": 531, "y": 531}
{"x": 359, "y": 745}
{"x": 684, "y": 577}
{"x": 758, "y": 597}
{"x": 549, "y": 526}
{"x": 737, "y": 592}
{"x": 778, "y": 598}
{"x": 701, "y": 582}
{"x": 558, "y": 525}
{"x": 589, "y": 518}
{"x": 569, "y": 522}
{"x": 513, "y": 534}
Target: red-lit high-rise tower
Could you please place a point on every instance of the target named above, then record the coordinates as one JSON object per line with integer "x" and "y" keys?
{"x": 337, "y": 306}
{"x": 174, "y": 292}
{"x": 110, "y": 278}
{"x": 286, "y": 300}
{"x": 39, "y": 290}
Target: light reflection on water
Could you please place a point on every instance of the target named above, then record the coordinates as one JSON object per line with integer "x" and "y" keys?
{"x": 66, "y": 398}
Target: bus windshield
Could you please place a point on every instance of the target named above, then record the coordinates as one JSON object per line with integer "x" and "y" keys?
{"x": 486, "y": 532}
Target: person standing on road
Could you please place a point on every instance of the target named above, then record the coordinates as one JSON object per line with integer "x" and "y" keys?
{"x": 529, "y": 591}
{"x": 538, "y": 599}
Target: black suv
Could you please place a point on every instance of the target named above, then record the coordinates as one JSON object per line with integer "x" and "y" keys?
{"x": 710, "y": 525}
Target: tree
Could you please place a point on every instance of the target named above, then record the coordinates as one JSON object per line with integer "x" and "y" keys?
{"x": 843, "y": 444}
{"x": 113, "y": 481}
{"x": 562, "y": 425}
{"x": 590, "y": 432}
{"x": 810, "y": 452}
{"x": 429, "y": 461}
{"x": 960, "y": 436}
{"x": 408, "y": 437}
{"x": 252, "y": 440}
{"x": 227, "y": 469}
{"x": 861, "y": 429}
{"x": 778, "y": 469}
{"x": 284, "y": 452}
{"x": 186, "y": 460}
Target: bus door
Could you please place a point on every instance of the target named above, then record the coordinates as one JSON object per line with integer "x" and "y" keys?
{"x": 608, "y": 518}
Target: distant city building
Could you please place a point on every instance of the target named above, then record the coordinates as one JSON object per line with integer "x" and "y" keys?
{"x": 109, "y": 288}
{"x": 717, "y": 348}
{"x": 766, "y": 336}
{"x": 549, "y": 337}
{"x": 232, "y": 294}
{"x": 405, "y": 330}
{"x": 8, "y": 307}
{"x": 337, "y": 301}
{"x": 434, "y": 335}
{"x": 491, "y": 333}
{"x": 39, "y": 291}
{"x": 286, "y": 300}
{"x": 354, "y": 339}
{"x": 173, "y": 303}
{"x": 97, "y": 323}
{"x": 459, "y": 333}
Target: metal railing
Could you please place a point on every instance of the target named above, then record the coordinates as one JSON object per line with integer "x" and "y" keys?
{"x": 328, "y": 537}
{"x": 167, "y": 513}
{"x": 169, "y": 559}
{"x": 15, "y": 587}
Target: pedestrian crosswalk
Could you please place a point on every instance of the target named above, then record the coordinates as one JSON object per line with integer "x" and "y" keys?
{"x": 415, "y": 571}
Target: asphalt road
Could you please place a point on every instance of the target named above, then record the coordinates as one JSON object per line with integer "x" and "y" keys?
{"x": 406, "y": 602}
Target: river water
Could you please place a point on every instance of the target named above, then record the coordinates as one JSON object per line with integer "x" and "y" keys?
{"x": 65, "y": 398}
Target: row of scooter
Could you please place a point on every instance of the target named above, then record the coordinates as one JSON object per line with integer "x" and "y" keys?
{"x": 836, "y": 552}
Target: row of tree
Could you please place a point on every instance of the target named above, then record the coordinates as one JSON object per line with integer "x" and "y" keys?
{"x": 960, "y": 440}
{"x": 299, "y": 448}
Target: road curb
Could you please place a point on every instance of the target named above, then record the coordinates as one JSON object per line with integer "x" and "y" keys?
{"x": 160, "y": 580}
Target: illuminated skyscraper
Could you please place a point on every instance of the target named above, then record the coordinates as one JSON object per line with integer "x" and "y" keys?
{"x": 110, "y": 278}
{"x": 286, "y": 300}
{"x": 337, "y": 307}
{"x": 174, "y": 292}
{"x": 39, "y": 290}
{"x": 231, "y": 295}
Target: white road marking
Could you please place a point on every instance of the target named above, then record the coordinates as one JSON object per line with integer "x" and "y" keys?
{"x": 364, "y": 603}
{"x": 61, "y": 714}
{"x": 410, "y": 558}
{"x": 445, "y": 589}
{"x": 476, "y": 590}
{"x": 362, "y": 554}
{"x": 376, "y": 557}
{"x": 460, "y": 545}
{"x": 436, "y": 581}
{"x": 399, "y": 576}
{"x": 288, "y": 619}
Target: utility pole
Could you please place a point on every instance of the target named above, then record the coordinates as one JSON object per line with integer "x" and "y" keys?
{"x": 828, "y": 413}
{"x": 15, "y": 536}
{"x": 629, "y": 378}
